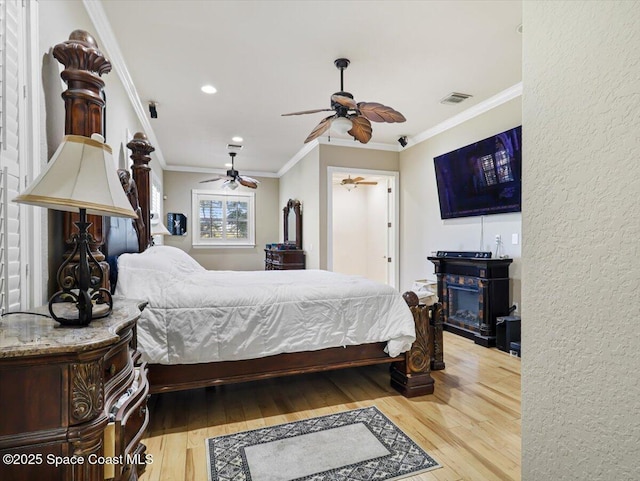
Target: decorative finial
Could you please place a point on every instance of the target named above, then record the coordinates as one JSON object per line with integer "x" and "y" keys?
{"x": 83, "y": 36}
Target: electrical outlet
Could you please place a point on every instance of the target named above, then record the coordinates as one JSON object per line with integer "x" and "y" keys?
{"x": 517, "y": 306}
{"x": 498, "y": 238}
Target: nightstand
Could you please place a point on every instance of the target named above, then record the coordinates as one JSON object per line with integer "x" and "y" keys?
{"x": 74, "y": 395}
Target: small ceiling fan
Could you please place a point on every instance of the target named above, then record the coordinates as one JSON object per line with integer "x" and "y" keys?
{"x": 356, "y": 181}
{"x": 233, "y": 177}
{"x": 350, "y": 117}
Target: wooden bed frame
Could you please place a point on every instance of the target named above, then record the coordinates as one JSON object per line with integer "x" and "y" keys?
{"x": 410, "y": 372}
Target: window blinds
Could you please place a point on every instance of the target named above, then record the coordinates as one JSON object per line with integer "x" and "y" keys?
{"x": 10, "y": 252}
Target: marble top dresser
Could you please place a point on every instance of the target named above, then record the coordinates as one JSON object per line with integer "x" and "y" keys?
{"x": 72, "y": 399}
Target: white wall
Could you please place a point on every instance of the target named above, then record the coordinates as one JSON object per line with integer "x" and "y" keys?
{"x": 581, "y": 231}
{"x": 422, "y": 229}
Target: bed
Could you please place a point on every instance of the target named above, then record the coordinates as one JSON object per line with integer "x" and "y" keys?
{"x": 206, "y": 328}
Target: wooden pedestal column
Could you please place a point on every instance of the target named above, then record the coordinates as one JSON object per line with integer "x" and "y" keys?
{"x": 141, "y": 148}
{"x": 412, "y": 377}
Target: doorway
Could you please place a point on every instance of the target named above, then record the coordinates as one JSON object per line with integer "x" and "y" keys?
{"x": 362, "y": 230}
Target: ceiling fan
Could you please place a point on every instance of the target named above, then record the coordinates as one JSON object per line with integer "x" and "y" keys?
{"x": 356, "y": 181}
{"x": 350, "y": 117}
{"x": 233, "y": 177}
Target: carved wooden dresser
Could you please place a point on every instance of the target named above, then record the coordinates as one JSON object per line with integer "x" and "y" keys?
{"x": 73, "y": 401}
{"x": 277, "y": 260}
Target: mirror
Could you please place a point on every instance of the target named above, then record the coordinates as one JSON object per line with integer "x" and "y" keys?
{"x": 293, "y": 223}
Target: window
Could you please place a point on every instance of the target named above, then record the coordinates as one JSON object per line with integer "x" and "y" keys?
{"x": 221, "y": 219}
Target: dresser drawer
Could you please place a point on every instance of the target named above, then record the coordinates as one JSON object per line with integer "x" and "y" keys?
{"x": 118, "y": 358}
{"x": 131, "y": 420}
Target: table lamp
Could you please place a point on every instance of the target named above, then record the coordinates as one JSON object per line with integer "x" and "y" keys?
{"x": 80, "y": 177}
{"x": 157, "y": 227}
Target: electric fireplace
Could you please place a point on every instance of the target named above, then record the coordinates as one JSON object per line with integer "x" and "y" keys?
{"x": 473, "y": 291}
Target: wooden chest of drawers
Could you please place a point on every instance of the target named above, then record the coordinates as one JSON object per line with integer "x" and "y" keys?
{"x": 283, "y": 259}
{"x": 74, "y": 397}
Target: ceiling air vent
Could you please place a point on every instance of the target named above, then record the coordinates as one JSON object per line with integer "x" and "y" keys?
{"x": 455, "y": 98}
{"x": 234, "y": 147}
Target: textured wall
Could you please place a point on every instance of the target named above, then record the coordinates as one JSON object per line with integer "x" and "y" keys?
{"x": 581, "y": 231}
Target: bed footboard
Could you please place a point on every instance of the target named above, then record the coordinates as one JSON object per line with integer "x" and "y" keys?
{"x": 410, "y": 372}
{"x": 412, "y": 376}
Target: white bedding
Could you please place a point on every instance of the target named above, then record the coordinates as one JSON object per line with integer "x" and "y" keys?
{"x": 197, "y": 316}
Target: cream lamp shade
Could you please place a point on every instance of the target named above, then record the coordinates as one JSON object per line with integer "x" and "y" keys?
{"x": 80, "y": 175}
{"x": 159, "y": 229}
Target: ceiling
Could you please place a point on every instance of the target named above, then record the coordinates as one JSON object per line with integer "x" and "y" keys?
{"x": 267, "y": 58}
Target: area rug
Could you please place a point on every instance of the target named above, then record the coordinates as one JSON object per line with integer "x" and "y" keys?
{"x": 357, "y": 445}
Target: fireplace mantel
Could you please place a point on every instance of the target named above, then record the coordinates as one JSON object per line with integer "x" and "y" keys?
{"x": 473, "y": 292}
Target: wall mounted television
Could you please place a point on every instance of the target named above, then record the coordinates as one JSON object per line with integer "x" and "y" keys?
{"x": 481, "y": 178}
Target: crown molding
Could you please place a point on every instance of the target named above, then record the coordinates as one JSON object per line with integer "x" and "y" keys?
{"x": 298, "y": 157}
{"x": 466, "y": 115}
{"x": 357, "y": 145}
{"x": 335, "y": 142}
{"x": 110, "y": 46}
{"x": 205, "y": 170}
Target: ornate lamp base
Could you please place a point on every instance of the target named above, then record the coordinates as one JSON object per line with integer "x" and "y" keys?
{"x": 81, "y": 298}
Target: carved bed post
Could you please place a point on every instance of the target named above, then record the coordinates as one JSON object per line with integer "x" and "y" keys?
{"x": 436, "y": 316}
{"x": 412, "y": 377}
{"x": 84, "y": 109}
{"x": 141, "y": 148}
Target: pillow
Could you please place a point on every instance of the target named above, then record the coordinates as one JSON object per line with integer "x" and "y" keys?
{"x": 161, "y": 258}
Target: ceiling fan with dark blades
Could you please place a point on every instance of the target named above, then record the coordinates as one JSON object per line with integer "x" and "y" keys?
{"x": 354, "y": 118}
{"x": 356, "y": 181}
{"x": 233, "y": 177}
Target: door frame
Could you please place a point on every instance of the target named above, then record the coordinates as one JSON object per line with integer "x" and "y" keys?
{"x": 394, "y": 213}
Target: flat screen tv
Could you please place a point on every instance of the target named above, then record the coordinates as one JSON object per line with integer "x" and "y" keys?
{"x": 482, "y": 178}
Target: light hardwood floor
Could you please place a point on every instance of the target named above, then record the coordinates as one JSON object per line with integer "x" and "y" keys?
{"x": 470, "y": 425}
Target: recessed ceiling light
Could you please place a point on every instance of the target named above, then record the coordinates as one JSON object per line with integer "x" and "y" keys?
{"x": 208, "y": 89}
{"x": 227, "y": 165}
{"x": 237, "y": 138}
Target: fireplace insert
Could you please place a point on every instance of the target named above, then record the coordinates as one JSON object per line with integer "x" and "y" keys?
{"x": 473, "y": 292}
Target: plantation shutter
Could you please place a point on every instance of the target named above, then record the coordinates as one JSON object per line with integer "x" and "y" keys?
{"x": 10, "y": 256}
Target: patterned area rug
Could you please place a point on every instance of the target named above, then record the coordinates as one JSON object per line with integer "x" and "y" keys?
{"x": 357, "y": 445}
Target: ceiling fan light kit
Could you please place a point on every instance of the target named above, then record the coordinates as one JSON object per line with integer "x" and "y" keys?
{"x": 342, "y": 125}
{"x": 347, "y": 111}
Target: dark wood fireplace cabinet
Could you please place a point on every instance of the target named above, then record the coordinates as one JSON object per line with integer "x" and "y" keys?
{"x": 473, "y": 293}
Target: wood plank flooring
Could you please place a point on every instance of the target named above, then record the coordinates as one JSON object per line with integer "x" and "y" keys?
{"x": 470, "y": 425}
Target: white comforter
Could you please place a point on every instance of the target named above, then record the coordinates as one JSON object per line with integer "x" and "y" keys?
{"x": 197, "y": 316}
